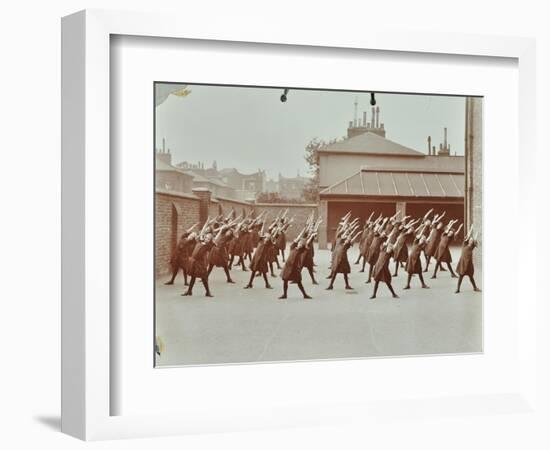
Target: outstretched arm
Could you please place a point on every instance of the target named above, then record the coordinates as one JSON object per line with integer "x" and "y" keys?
{"x": 192, "y": 227}
{"x": 427, "y": 214}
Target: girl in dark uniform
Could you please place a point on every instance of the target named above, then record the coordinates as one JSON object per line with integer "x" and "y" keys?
{"x": 181, "y": 254}
{"x": 280, "y": 240}
{"x": 340, "y": 262}
{"x": 401, "y": 251}
{"x": 219, "y": 257}
{"x": 433, "y": 239}
{"x": 381, "y": 270}
{"x": 260, "y": 260}
{"x": 236, "y": 248}
{"x": 414, "y": 265}
{"x": 465, "y": 266}
{"x": 307, "y": 256}
{"x": 363, "y": 241}
{"x": 292, "y": 270}
{"x": 443, "y": 254}
{"x": 198, "y": 264}
{"x": 378, "y": 238}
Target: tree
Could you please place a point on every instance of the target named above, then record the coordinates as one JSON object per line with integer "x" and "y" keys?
{"x": 311, "y": 189}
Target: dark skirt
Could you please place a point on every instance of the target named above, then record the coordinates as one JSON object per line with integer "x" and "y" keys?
{"x": 260, "y": 258}
{"x": 443, "y": 253}
{"x": 381, "y": 271}
{"x": 413, "y": 261}
{"x": 465, "y": 264}
{"x": 197, "y": 267}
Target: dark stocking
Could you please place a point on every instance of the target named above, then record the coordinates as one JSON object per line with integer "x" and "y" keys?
{"x": 375, "y": 289}
{"x": 460, "y": 278}
{"x": 347, "y": 281}
{"x": 302, "y": 290}
{"x": 285, "y": 289}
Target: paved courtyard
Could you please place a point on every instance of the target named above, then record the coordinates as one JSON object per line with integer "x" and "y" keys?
{"x": 239, "y": 325}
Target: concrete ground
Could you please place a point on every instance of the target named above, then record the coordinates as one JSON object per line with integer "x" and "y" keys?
{"x": 239, "y": 325}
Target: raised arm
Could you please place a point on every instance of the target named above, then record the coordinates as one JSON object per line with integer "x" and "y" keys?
{"x": 192, "y": 227}
{"x": 427, "y": 214}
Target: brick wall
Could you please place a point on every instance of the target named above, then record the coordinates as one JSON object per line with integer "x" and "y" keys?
{"x": 227, "y": 204}
{"x": 174, "y": 213}
{"x": 300, "y": 212}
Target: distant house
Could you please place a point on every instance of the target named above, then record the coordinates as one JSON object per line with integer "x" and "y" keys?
{"x": 216, "y": 186}
{"x": 170, "y": 178}
{"x": 252, "y": 182}
{"x": 292, "y": 188}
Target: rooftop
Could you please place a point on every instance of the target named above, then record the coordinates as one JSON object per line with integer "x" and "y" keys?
{"x": 370, "y": 143}
{"x": 400, "y": 183}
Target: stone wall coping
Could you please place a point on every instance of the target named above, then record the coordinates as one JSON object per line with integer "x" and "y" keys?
{"x": 288, "y": 205}
{"x": 201, "y": 189}
{"x": 232, "y": 200}
{"x": 176, "y": 194}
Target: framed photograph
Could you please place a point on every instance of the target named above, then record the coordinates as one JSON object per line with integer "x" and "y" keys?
{"x": 254, "y": 224}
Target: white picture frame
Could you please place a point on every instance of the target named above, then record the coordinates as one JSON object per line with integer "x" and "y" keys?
{"x": 87, "y": 385}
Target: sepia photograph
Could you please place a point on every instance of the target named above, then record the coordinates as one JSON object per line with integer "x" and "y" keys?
{"x": 299, "y": 224}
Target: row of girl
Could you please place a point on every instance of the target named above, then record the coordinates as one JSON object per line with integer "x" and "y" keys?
{"x": 402, "y": 240}
{"x": 223, "y": 242}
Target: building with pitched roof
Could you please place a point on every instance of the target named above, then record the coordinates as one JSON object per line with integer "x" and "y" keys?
{"x": 367, "y": 172}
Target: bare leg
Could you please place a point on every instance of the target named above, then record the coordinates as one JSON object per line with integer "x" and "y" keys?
{"x": 271, "y": 269}
{"x": 231, "y": 261}
{"x": 283, "y": 254}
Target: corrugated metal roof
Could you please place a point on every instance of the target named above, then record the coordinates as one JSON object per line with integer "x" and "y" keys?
{"x": 400, "y": 183}
{"x": 370, "y": 143}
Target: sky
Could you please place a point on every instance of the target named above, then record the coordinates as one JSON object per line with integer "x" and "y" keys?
{"x": 250, "y": 128}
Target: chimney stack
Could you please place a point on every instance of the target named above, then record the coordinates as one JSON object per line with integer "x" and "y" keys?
{"x": 429, "y": 145}
{"x": 377, "y": 117}
{"x": 445, "y": 137}
{"x": 433, "y": 150}
{"x": 350, "y": 124}
{"x": 163, "y": 145}
{"x": 364, "y": 118}
{"x": 373, "y": 121}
